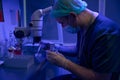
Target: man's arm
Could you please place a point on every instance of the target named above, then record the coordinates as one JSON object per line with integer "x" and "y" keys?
{"x": 67, "y": 51}
{"x": 82, "y": 72}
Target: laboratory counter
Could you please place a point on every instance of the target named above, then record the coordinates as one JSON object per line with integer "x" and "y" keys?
{"x": 34, "y": 72}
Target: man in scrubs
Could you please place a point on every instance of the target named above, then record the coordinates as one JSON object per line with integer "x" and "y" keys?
{"x": 98, "y": 43}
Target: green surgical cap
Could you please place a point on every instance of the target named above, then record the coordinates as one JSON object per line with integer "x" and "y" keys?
{"x": 64, "y": 7}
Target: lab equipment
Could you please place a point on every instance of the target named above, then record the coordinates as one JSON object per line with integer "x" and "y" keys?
{"x": 38, "y": 55}
{"x": 41, "y": 51}
{"x": 36, "y": 25}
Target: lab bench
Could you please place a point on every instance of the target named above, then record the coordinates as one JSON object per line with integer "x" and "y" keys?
{"x": 40, "y": 70}
{"x": 34, "y": 72}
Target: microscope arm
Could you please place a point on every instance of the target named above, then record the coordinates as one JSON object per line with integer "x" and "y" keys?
{"x": 37, "y": 23}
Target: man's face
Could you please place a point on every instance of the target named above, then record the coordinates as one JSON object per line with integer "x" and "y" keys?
{"x": 69, "y": 23}
{"x": 70, "y": 19}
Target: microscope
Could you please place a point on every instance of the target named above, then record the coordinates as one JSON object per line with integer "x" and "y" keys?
{"x": 36, "y": 25}
{"x": 25, "y": 61}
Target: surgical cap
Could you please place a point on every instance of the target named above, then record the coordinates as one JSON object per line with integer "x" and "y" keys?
{"x": 64, "y": 7}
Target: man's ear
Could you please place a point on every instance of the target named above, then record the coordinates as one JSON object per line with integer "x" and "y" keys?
{"x": 73, "y": 14}
{"x": 72, "y": 18}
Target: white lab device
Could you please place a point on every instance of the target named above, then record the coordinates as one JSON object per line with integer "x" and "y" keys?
{"x": 36, "y": 26}
{"x": 37, "y": 23}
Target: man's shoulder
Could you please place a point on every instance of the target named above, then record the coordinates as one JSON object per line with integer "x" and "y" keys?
{"x": 105, "y": 25}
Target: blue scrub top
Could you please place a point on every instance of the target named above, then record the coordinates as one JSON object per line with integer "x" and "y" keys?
{"x": 99, "y": 49}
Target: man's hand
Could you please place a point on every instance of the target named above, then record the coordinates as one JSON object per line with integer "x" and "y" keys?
{"x": 82, "y": 72}
{"x": 56, "y": 58}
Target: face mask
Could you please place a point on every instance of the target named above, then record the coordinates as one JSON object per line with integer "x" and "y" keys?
{"x": 72, "y": 30}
